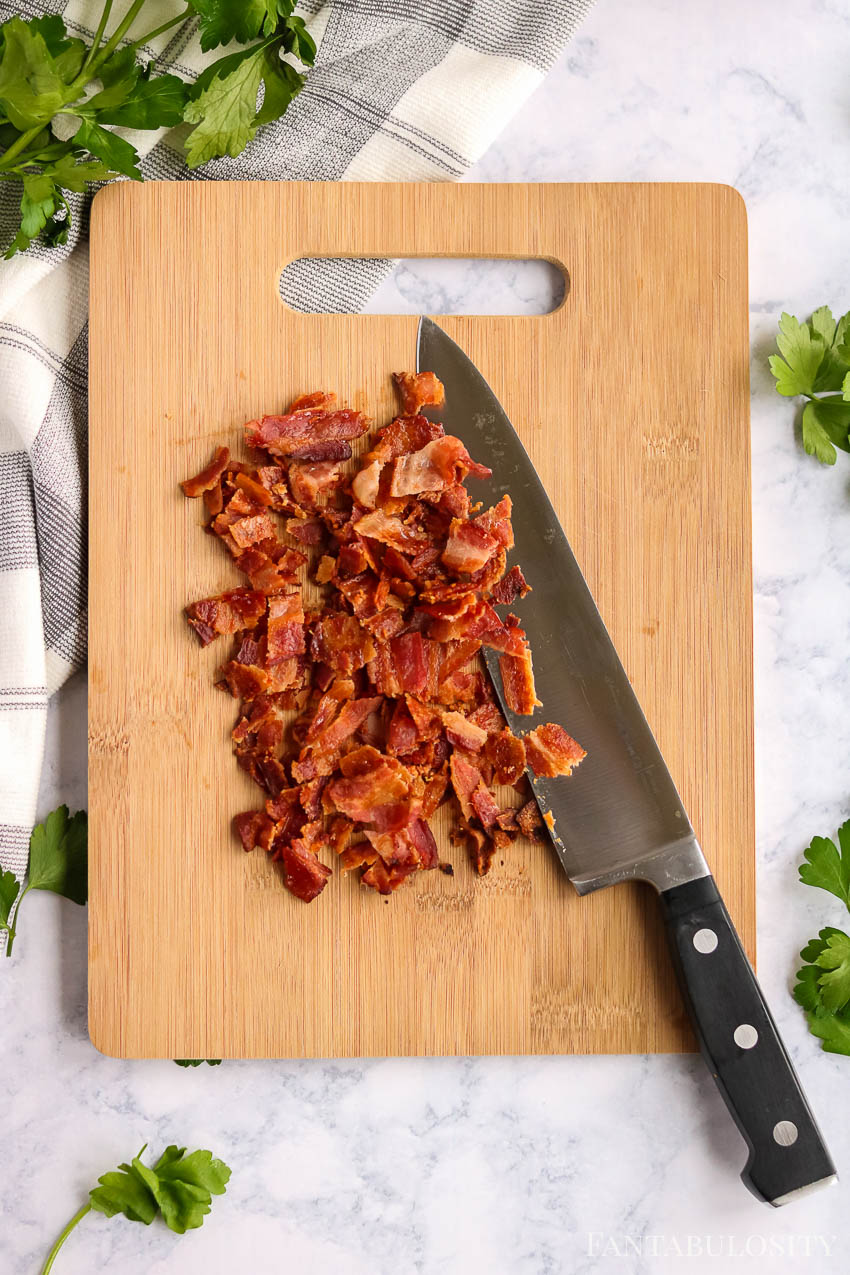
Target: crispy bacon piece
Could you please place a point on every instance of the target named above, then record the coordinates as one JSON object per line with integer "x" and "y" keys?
{"x": 469, "y": 547}
{"x": 254, "y": 828}
{"x": 390, "y": 716}
{"x": 209, "y": 477}
{"x": 439, "y": 464}
{"x": 308, "y": 431}
{"x": 506, "y": 755}
{"x": 304, "y": 875}
{"x": 510, "y": 587}
{"x": 551, "y": 751}
{"x": 227, "y": 613}
{"x": 418, "y": 389}
{"x": 309, "y": 481}
{"x": 517, "y": 675}
{"x": 285, "y": 631}
{"x": 403, "y": 435}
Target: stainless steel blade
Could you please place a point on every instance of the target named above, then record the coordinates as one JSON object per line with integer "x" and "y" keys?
{"x": 619, "y": 816}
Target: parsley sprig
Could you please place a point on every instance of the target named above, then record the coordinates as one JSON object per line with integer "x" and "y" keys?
{"x": 61, "y": 98}
{"x": 58, "y": 861}
{"x": 814, "y": 363}
{"x": 823, "y": 983}
{"x": 179, "y": 1187}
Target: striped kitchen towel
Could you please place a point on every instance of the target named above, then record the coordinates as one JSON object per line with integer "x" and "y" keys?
{"x": 402, "y": 90}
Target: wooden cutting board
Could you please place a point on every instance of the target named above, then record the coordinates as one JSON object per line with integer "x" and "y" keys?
{"x": 633, "y": 402}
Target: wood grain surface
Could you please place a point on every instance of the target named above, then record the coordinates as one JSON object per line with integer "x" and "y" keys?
{"x": 632, "y": 400}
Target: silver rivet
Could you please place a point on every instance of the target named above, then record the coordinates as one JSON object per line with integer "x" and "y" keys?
{"x": 705, "y": 941}
{"x": 745, "y": 1036}
{"x": 785, "y": 1133}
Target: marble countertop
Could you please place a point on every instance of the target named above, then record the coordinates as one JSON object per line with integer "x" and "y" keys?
{"x": 520, "y": 1166}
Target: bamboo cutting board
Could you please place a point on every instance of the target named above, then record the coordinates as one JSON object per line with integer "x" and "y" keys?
{"x": 633, "y": 402}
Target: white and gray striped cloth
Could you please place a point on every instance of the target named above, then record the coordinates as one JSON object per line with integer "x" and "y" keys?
{"x": 402, "y": 90}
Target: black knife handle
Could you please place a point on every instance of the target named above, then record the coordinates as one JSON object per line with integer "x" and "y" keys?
{"x": 739, "y": 1041}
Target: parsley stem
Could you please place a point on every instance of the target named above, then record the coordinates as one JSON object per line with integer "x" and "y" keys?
{"x": 117, "y": 35}
{"x": 98, "y": 35}
{"x": 166, "y": 26}
{"x": 78, "y": 1217}
{"x": 20, "y": 144}
{"x": 12, "y": 927}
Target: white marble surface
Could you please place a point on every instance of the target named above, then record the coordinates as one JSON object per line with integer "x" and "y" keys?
{"x": 526, "y": 1166}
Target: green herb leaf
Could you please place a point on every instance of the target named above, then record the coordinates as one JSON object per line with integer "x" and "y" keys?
{"x": 224, "y": 20}
{"x": 32, "y": 88}
{"x": 120, "y": 155}
{"x": 40, "y": 200}
{"x": 299, "y": 41}
{"x": 282, "y": 83}
{"x": 68, "y": 54}
{"x": 802, "y": 349}
{"x": 58, "y": 855}
{"x": 73, "y": 174}
{"x": 816, "y": 441}
{"x": 183, "y": 1185}
{"x": 225, "y": 111}
{"x": 833, "y": 1030}
{"x": 826, "y": 867}
{"x": 124, "y": 1191}
{"x": 196, "y": 1062}
{"x": 834, "y": 959}
{"x": 152, "y": 103}
{"x": 9, "y": 890}
{"x": 807, "y": 989}
{"x": 118, "y": 75}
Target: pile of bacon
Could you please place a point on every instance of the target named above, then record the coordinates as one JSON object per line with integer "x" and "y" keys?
{"x": 390, "y": 720}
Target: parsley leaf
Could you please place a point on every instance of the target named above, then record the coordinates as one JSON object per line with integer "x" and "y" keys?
{"x": 151, "y": 103}
{"x": 9, "y": 888}
{"x": 58, "y": 861}
{"x": 32, "y": 88}
{"x": 802, "y": 349}
{"x": 224, "y": 20}
{"x": 179, "y": 1187}
{"x": 196, "y": 1062}
{"x": 829, "y": 955}
{"x": 40, "y": 200}
{"x": 833, "y": 1030}
{"x": 826, "y": 867}
{"x": 814, "y": 358}
{"x": 119, "y": 154}
{"x": 59, "y": 855}
{"x": 225, "y": 110}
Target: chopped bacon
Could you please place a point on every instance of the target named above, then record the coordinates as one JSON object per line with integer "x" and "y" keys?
{"x": 463, "y": 733}
{"x": 304, "y": 875}
{"x": 254, "y": 828}
{"x": 209, "y": 477}
{"x": 227, "y": 613}
{"x": 390, "y": 531}
{"x": 510, "y": 587}
{"x": 306, "y": 431}
{"x": 285, "y": 635}
{"x": 403, "y": 435}
{"x": 366, "y": 484}
{"x": 530, "y": 821}
{"x": 418, "y": 389}
{"x": 506, "y": 755}
{"x": 439, "y": 464}
{"x": 551, "y": 751}
{"x": 517, "y": 675}
{"x": 309, "y": 481}
{"x": 469, "y": 547}
{"x": 390, "y": 714}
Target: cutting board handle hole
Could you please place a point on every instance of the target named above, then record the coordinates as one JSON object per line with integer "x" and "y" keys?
{"x": 424, "y": 285}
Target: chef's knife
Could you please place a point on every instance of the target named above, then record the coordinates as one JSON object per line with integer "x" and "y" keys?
{"x": 619, "y": 817}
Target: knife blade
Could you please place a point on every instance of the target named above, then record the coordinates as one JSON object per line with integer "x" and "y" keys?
{"x": 620, "y": 817}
